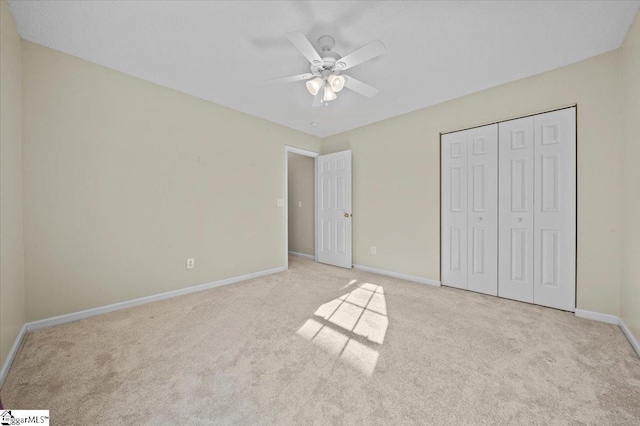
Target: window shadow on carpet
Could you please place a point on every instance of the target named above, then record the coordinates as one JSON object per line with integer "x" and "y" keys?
{"x": 351, "y": 326}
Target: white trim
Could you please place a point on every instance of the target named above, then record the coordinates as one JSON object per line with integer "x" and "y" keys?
{"x": 580, "y": 313}
{"x": 48, "y": 322}
{"x": 308, "y": 256}
{"x": 12, "y": 354}
{"x": 306, "y": 153}
{"x": 611, "y": 319}
{"x": 316, "y": 204}
{"x": 301, "y": 151}
{"x": 632, "y": 339}
{"x": 597, "y": 316}
{"x": 399, "y": 275}
{"x": 142, "y": 300}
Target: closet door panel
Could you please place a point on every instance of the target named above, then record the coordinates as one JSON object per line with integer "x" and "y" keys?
{"x": 516, "y": 206}
{"x": 454, "y": 209}
{"x": 555, "y": 214}
{"x": 482, "y": 205}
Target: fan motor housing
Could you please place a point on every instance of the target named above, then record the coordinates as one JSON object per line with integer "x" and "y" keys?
{"x": 329, "y": 59}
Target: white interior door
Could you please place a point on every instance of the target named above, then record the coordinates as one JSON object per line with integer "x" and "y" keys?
{"x": 483, "y": 209}
{"x": 453, "y": 213}
{"x": 333, "y": 235}
{"x": 555, "y": 209}
{"x": 516, "y": 210}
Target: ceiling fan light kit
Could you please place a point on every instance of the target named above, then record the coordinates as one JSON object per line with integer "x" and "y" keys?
{"x": 326, "y": 68}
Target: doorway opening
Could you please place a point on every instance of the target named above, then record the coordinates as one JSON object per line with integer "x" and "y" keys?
{"x": 300, "y": 193}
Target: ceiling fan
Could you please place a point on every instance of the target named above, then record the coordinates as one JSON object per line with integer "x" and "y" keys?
{"x": 326, "y": 78}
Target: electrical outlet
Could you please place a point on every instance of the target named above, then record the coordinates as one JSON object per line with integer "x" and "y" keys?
{"x": 280, "y": 202}
{"x": 373, "y": 250}
{"x": 191, "y": 263}
{"x": 299, "y": 203}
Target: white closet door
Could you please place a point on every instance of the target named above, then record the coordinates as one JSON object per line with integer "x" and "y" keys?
{"x": 482, "y": 204}
{"x": 516, "y": 197}
{"x": 555, "y": 215}
{"x": 454, "y": 209}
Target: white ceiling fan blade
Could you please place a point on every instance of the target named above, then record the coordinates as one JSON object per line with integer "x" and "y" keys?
{"x": 317, "y": 99}
{"x": 304, "y": 46}
{"x": 299, "y": 77}
{"x": 359, "y": 87}
{"x": 370, "y": 51}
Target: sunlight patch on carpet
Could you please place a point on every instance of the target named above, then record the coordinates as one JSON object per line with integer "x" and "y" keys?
{"x": 350, "y": 326}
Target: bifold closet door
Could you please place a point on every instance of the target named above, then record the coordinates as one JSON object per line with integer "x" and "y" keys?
{"x": 482, "y": 223}
{"x": 516, "y": 210}
{"x": 537, "y": 243}
{"x": 555, "y": 209}
{"x": 508, "y": 211}
{"x": 469, "y": 211}
{"x": 453, "y": 209}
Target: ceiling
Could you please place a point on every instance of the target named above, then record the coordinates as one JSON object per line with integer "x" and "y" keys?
{"x": 224, "y": 51}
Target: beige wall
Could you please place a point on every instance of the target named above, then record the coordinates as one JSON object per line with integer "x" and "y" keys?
{"x": 630, "y": 75}
{"x": 396, "y": 174}
{"x": 11, "y": 250}
{"x": 124, "y": 180}
{"x": 301, "y": 171}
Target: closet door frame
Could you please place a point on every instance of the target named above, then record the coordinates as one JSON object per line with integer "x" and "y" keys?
{"x": 577, "y": 179}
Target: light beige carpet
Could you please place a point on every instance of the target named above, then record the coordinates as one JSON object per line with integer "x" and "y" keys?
{"x": 324, "y": 345}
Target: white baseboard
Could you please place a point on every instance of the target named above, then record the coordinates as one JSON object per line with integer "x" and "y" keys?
{"x": 581, "y": 313}
{"x": 611, "y": 319}
{"x": 399, "y": 275}
{"x": 48, "y": 322}
{"x": 632, "y": 339}
{"x": 308, "y": 256}
{"x": 597, "y": 316}
{"x": 12, "y": 354}
{"x": 135, "y": 302}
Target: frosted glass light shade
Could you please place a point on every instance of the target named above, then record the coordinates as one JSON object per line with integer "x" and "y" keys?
{"x": 336, "y": 82}
{"x": 313, "y": 86}
{"x": 329, "y": 93}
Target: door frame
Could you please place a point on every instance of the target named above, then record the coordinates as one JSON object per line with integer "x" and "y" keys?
{"x": 306, "y": 153}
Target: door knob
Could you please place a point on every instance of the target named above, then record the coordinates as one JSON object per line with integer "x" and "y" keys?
{"x": 347, "y": 215}
{"x": 480, "y": 219}
{"x": 519, "y": 219}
